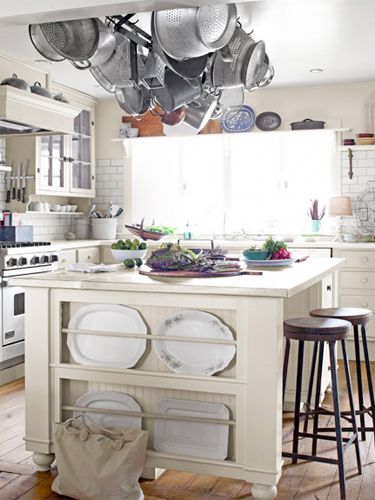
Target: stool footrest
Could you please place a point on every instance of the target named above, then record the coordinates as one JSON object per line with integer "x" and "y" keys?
{"x": 326, "y": 438}
{"x": 314, "y": 458}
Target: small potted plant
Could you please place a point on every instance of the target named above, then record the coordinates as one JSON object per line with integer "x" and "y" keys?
{"x": 315, "y": 215}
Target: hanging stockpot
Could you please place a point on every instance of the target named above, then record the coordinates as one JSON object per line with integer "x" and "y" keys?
{"x": 177, "y": 91}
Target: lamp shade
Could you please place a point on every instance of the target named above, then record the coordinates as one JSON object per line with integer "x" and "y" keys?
{"x": 340, "y": 205}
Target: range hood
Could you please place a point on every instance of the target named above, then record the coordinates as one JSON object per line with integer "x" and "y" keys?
{"x": 25, "y": 113}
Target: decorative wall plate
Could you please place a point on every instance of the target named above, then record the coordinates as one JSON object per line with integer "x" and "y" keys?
{"x": 192, "y": 357}
{"x": 268, "y": 121}
{"x": 238, "y": 119}
{"x": 109, "y": 400}
{"x": 117, "y": 352}
{"x": 194, "y": 439}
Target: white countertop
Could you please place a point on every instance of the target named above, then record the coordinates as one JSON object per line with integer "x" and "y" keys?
{"x": 276, "y": 282}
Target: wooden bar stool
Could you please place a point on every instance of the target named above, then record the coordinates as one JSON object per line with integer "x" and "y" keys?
{"x": 358, "y": 318}
{"x": 320, "y": 331}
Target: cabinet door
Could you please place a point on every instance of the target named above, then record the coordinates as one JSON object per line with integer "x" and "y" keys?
{"x": 82, "y": 157}
{"x": 91, "y": 254}
{"x": 51, "y": 164}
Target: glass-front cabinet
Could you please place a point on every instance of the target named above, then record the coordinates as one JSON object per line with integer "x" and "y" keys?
{"x": 65, "y": 165}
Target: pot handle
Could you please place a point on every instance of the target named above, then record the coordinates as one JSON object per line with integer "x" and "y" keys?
{"x": 81, "y": 64}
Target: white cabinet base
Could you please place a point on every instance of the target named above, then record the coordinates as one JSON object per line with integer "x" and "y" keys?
{"x": 263, "y": 492}
{"x": 43, "y": 461}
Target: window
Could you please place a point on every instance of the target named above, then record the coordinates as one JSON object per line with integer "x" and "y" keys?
{"x": 257, "y": 182}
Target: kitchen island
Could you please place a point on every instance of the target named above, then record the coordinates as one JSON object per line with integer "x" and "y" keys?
{"x": 251, "y": 306}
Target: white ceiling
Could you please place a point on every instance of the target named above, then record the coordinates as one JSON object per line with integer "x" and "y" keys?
{"x": 335, "y": 35}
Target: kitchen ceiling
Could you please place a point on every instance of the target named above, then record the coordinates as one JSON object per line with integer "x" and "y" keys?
{"x": 334, "y": 35}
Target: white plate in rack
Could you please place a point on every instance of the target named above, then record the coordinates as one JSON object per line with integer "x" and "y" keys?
{"x": 193, "y": 439}
{"x": 97, "y": 350}
{"x": 193, "y": 357}
{"x": 109, "y": 400}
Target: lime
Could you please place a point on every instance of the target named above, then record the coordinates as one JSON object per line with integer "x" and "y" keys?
{"x": 143, "y": 245}
{"x": 129, "y": 263}
{"x": 139, "y": 262}
{"x": 136, "y": 243}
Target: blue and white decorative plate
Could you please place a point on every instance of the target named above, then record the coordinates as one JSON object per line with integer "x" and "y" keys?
{"x": 238, "y": 119}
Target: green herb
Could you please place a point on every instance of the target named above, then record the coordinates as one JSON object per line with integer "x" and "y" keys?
{"x": 271, "y": 246}
{"x": 161, "y": 229}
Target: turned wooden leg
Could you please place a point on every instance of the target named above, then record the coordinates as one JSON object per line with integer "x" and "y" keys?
{"x": 263, "y": 492}
{"x": 43, "y": 461}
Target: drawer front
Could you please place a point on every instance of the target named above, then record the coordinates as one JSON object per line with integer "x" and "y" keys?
{"x": 365, "y": 301}
{"x": 91, "y": 254}
{"x": 357, "y": 258}
{"x": 358, "y": 279}
{"x": 66, "y": 257}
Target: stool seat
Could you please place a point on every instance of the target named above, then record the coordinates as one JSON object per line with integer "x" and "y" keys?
{"x": 316, "y": 329}
{"x": 356, "y": 315}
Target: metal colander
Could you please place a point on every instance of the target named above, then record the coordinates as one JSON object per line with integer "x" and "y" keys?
{"x": 212, "y": 23}
{"x": 76, "y": 40}
{"x": 194, "y": 31}
{"x": 41, "y": 44}
{"x": 246, "y": 57}
{"x": 116, "y": 72}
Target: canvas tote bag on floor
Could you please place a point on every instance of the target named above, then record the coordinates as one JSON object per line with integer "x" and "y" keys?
{"x": 94, "y": 463}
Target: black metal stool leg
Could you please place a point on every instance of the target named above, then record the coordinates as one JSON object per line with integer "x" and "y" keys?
{"x": 301, "y": 345}
{"x": 359, "y": 382}
{"x": 369, "y": 377}
{"x": 336, "y": 408}
{"x": 317, "y": 398}
{"x": 285, "y": 368}
{"x": 352, "y": 407}
{"x": 311, "y": 383}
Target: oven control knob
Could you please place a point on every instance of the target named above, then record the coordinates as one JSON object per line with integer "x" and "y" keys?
{"x": 12, "y": 262}
{"x": 44, "y": 259}
{"x": 54, "y": 258}
{"x": 34, "y": 260}
{"x": 22, "y": 261}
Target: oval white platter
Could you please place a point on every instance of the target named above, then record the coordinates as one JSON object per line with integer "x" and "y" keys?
{"x": 109, "y": 400}
{"x": 117, "y": 352}
{"x": 269, "y": 263}
{"x": 195, "y": 439}
{"x": 192, "y": 357}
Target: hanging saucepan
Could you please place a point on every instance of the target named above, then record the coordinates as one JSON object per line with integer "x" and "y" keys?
{"x": 104, "y": 50}
{"x": 76, "y": 40}
{"x": 117, "y": 70}
{"x": 199, "y": 112}
{"x": 136, "y": 100}
{"x": 16, "y": 82}
{"x": 190, "y": 68}
{"x": 195, "y": 31}
{"x": 264, "y": 77}
{"x": 41, "y": 44}
{"x": 38, "y": 89}
{"x": 240, "y": 69}
{"x": 177, "y": 91}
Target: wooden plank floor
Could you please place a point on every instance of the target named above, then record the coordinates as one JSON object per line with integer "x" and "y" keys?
{"x": 303, "y": 481}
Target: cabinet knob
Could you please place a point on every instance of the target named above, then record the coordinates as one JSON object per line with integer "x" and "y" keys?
{"x": 364, "y": 280}
{"x": 329, "y": 288}
{"x": 364, "y": 259}
{"x": 89, "y": 257}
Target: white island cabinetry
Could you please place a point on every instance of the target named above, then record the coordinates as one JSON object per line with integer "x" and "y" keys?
{"x": 252, "y": 307}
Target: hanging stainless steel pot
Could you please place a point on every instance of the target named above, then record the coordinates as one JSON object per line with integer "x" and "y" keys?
{"x": 16, "y": 82}
{"x": 195, "y": 31}
{"x": 104, "y": 50}
{"x": 190, "y": 68}
{"x": 38, "y": 89}
{"x": 177, "y": 91}
{"x": 199, "y": 112}
{"x": 265, "y": 76}
{"x": 134, "y": 100}
{"x": 41, "y": 44}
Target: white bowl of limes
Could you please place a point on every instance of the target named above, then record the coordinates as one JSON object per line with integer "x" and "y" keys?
{"x": 128, "y": 249}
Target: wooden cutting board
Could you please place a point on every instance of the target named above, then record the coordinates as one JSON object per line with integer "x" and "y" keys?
{"x": 149, "y": 125}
